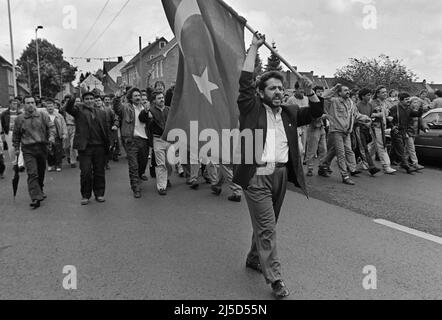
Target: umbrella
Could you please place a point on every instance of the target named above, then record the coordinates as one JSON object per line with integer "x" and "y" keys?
{"x": 16, "y": 179}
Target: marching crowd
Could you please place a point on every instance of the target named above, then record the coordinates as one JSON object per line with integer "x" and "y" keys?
{"x": 37, "y": 135}
{"x": 351, "y": 126}
{"x": 93, "y": 129}
{"x": 355, "y": 127}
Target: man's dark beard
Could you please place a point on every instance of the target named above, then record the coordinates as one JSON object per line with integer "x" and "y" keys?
{"x": 269, "y": 102}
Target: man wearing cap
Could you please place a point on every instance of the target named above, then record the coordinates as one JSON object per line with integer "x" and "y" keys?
{"x": 92, "y": 142}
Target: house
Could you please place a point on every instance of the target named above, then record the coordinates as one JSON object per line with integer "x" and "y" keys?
{"x": 67, "y": 89}
{"x": 7, "y": 84}
{"x": 291, "y": 79}
{"x": 112, "y": 77}
{"x": 164, "y": 66}
{"x": 91, "y": 83}
{"x": 135, "y": 72}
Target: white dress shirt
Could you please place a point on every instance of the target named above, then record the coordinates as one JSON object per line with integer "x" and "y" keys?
{"x": 140, "y": 128}
{"x": 276, "y": 149}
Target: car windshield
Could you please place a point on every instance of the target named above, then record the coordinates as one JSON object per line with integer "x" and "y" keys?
{"x": 435, "y": 117}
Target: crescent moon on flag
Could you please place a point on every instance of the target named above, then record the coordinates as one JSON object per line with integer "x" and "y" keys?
{"x": 185, "y": 10}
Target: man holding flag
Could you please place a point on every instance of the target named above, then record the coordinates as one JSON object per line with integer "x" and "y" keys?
{"x": 265, "y": 181}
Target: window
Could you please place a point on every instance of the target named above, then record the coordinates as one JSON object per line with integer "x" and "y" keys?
{"x": 161, "y": 68}
{"x": 162, "y": 44}
{"x": 435, "y": 117}
{"x": 10, "y": 78}
{"x": 158, "y": 69}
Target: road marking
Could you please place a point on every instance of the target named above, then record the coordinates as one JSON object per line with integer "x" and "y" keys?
{"x": 413, "y": 232}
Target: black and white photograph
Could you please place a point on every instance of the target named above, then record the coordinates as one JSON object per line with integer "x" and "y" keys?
{"x": 240, "y": 153}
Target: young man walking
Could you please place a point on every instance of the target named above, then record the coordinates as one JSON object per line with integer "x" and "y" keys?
{"x": 92, "y": 143}
{"x": 134, "y": 134}
{"x": 33, "y": 133}
{"x": 55, "y": 157}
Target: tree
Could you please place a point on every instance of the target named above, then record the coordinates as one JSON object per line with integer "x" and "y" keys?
{"x": 370, "y": 73}
{"x": 54, "y": 70}
{"x": 273, "y": 62}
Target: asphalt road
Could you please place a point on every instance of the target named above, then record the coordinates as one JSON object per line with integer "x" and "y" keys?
{"x": 192, "y": 245}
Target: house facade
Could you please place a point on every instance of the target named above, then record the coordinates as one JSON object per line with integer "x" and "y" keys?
{"x": 112, "y": 77}
{"x": 7, "y": 84}
{"x": 134, "y": 73}
{"x": 164, "y": 66}
{"x": 91, "y": 83}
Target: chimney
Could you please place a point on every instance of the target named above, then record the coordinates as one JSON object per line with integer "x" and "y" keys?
{"x": 120, "y": 59}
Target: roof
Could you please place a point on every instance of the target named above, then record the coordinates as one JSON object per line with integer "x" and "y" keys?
{"x": 144, "y": 51}
{"x": 165, "y": 51}
{"x": 109, "y": 65}
{"x": 4, "y": 61}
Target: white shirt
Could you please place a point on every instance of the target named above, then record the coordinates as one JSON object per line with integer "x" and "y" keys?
{"x": 276, "y": 149}
{"x": 140, "y": 128}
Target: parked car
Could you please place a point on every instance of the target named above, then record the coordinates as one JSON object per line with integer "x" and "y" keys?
{"x": 429, "y": 144}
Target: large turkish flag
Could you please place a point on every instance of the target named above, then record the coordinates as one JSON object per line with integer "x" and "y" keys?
{"x": 212, "y": 53}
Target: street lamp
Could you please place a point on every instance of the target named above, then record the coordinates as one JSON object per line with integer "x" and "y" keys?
{"x": 38, "y": 61}
{"x": 14, "y": 75}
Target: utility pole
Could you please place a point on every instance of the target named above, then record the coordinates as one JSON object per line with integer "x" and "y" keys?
{"x": 141, "y": 63}
{"x": 38, "y": 60}
{"x": 14, "y": 75}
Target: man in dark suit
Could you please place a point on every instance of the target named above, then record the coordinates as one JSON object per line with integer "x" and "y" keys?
{"x": 92, "y": 142}
{"x": 276, "y": 159}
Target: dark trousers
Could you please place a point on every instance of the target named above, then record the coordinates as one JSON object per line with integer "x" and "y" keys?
{"x": 137, "y": 158}
{"x": 55, "y": 156}
{"x": 2, "y": 164}
{"x": 399, "y": 142}
{"x": 92, "y": 166}
{"x": 265, "y": 196}
{"x": 366, "y": 138}
{"x": 35, "y": 158}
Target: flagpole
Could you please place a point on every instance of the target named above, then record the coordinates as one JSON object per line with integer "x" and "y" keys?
{"x": 242, "y": 20}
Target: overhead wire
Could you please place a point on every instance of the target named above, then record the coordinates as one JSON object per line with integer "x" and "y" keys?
{"x": 107, "y": 27}
{"x": 92, "y": 27}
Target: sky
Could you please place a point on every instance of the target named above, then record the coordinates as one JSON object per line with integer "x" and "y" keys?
{"x": 314, "y": 35}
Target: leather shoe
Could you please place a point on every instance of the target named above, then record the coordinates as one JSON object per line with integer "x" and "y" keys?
{"x": 374, "y": 171}
{"x": 348, "y": 181}
{"x": 254, "y": 266}
{"x": 280, "y": 290}
{"x": 35, "y": 204}
{"x": 355, "y": 173}
{"x": 137, "y": 194}
{"x": 84, "y": 202}
{"x": 100, "y": 199}
{"x": 162, "y": 192}
{"x": 195, "y": 185}
{"x": 323, "y": 173}
{"x": 234, "y": 198}
{"x": 216, "y": 190}
{"x": 310, "y": 173}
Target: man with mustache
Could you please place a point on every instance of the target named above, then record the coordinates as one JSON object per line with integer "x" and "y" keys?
{"x": 135, "y": 136}
{"x": 273, "y": 126}
{"x": 342, "y": 114}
